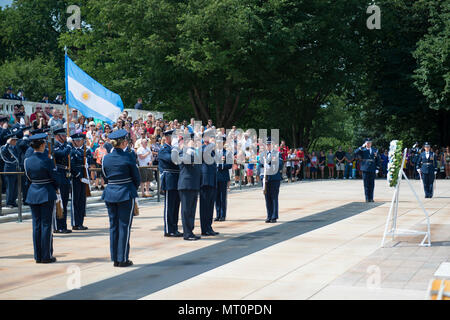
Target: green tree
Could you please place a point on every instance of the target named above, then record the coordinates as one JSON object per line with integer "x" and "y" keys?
{"x": 35, "y": 76}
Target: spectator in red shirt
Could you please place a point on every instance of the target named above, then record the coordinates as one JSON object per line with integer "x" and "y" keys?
{"x": 284, "y": 150}
{"x": 301, "y": 157}
{"x": 38, "y": 111}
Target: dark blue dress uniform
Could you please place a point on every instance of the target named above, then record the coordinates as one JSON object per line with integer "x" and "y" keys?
{"x": 170, "y": 172}
{"x": 273, "y": 184}
{"x": 188, "y": 187}
{"x": 10, "y": 158}
{"x": 22, "y": 147}
{"x": 77, "y": 163}
{"x": 208, "y": 190}
{"x": 41, "y": 172}
{"x": 61, "y": 153}
{"x": 223, "y": 176}
{"x": 427, "y": 163}
{"x": 370, "y": 163}
{"x": 122, "y": 175}
{"x": 3, "y": 134}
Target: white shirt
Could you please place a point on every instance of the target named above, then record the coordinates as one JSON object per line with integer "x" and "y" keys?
{"x": 147, "y": 160}
{"x": 427, "y": 154}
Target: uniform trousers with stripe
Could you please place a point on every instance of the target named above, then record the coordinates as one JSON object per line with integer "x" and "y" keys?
{"x": 207, "y": 199}
{"x": 428, "y": 181}
{"x": 120, "y": 220}
{"x": 369, "y": 184}
{"x": 61, "y": 224}
{"x": 188, "y": 200}
{"x": 78, "y": 202}
{"x": 271, "y": 196}
{"x": 171, "y": 210}
{"x": 221, "y": 199}
{"x": 42, "y": 215}
{"x": 11, "y": 189}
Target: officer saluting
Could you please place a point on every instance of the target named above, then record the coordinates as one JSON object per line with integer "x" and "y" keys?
{"x": 188, "y": 188}
{"x": 170, "y": 173}
{"x": 61, "y": 153}
{"x": 78, "y": 166}
{"x": 122, "y": 175}
{"x": 427, "y": 167}
{"x": 223, "y": 177}
{"x": 271, "y": 177}
{"x": 40, "y": 170}
{"x": 208, "y": 185}
{"x": 369, "y": 166}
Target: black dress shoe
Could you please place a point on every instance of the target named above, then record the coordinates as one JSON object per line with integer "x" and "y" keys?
{"x": 79, "y": 228}
{"x": 268, "y": 220}
{"x": 116, "y": 263}
{"x": 273, "y": 221}
{"x": 75, "y": 228}
{"x": 192, "y": 238}
{"x": 217, "y": 219}
{"x": 51, "y": 260}
{"x": 371, "y": 200}
{"x": 210, "y": 233}
{"x": 178, "y": 234}
{"x": 222, "y": 219}
{"x": 169, "y": 235}
{"x": 57, "y": 231}
{"x": 125, "y": 264}
{"x": 66, "y": 231}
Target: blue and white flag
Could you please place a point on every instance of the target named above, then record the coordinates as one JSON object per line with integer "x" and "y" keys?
{"x": 90, "y": 97}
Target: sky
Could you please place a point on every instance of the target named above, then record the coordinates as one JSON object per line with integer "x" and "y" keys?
{"x": 5, "y": 2}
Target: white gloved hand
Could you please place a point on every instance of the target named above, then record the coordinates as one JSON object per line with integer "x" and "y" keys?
{"x": 8, "y": 141}
{"x": 69, "y": 140}
{"x": 376, "y": 171}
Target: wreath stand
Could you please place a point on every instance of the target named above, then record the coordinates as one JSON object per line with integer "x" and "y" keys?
{"x": 393, "y": 212}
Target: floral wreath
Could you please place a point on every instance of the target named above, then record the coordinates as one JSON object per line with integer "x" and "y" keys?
{"x": 395, "y": 162}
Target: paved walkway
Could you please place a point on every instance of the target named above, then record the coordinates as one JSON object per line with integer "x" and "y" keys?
{"x": 326, "y": 245}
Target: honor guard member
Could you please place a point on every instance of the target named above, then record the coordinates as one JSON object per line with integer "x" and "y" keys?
{"x": 4, "y": 131}
{"x": 61, "y": 153}
{"x": 122, "y": 176}
{"x": 427, "y": 167}
{"x": 41, "y": 172}
{"x": 188, "y": 188}
{"x": 30, "y": 150}
{"x": 170, "y": 173}
{"x": 78, "y": 169}
{"x": 208, "y": 184}
{"x": 370, "y": 163}
{"x": 223, "y": 178}
{"x": 273, "y": 179}
{"x": 10, "y": 157}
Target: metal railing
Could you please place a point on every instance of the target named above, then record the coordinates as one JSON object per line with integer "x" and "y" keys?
{"x": 19, "y": 187}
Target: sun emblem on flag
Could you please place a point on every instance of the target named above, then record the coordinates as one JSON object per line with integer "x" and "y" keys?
{"x": 85, "y": 95}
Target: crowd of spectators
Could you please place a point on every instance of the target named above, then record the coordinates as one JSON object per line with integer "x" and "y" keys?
{"x": 146, "y": 138}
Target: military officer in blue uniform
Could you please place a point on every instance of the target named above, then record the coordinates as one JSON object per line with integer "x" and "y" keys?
{"x": 170, "y": 173}
{"x": 223, "y": 177}
{"x": 10, "y": 157}
{"x": 61, "y": 153}
{"x": 427, "y": 166}
{"x": 22, "y": 146}
{"x": 4, "y": 131}
{"x": 41, "y": 172}
{"x": 78, "y": 165}
{"x": 189, "y": 186}
{"x": 273, "y": 172}
{"x": 370, "y": 164}
{"x": 122, "y": 175}
{"x": 208, "y": 184}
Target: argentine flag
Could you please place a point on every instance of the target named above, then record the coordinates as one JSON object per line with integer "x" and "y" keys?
{"x": 90, "y": 97}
